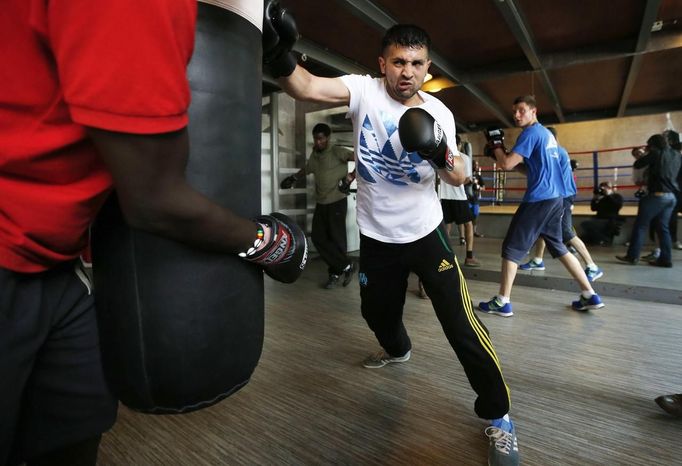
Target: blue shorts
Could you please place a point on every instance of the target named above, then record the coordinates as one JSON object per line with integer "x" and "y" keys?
{"x": 475, "y": 209}
{"x": 532, "y": 220}
{"x": 567, "y": 230}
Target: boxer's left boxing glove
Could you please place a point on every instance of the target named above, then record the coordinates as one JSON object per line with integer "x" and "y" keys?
{"x": 285, "y": 254}
{"x": 279, "y": 36}
{"x": 420, "y": 132}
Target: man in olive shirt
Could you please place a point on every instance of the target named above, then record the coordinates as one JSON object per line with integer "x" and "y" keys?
{"x": 329, "y": 164}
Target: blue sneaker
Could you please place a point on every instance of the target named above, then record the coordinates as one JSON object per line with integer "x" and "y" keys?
{"x": 503, "y": 448}
{"x": 494, "y": 306}
{"x": 532, "y": 265}
{"x": 594, "y": 275}
{"x": 584, "y": 304}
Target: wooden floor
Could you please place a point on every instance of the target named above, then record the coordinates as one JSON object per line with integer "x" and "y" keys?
{"x": 582, "y": 387}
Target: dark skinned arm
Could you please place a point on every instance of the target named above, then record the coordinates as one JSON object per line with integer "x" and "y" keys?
{"x": 149, "y": 178}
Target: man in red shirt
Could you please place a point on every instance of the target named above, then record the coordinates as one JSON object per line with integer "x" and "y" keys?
{"x": 94, "y": 94}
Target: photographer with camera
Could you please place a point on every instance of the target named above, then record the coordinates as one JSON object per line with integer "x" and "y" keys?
{"x": 607, "y": 204}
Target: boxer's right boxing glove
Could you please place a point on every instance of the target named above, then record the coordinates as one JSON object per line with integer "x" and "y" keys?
{"x": 285, "y": 254}
{"x": 288, "y": 182}
{"x": 494, "y": 136}
{"x": 279, "y": 36}
{"x": 344, "y": 185}
{"x": 488, "y": 151}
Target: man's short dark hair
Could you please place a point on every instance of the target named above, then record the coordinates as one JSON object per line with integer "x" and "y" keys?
{"x": 322, "y": 128}
{"x": 657, "y": 141}
{"x": 526, "y": 99}
{"x": 405, "y": 35}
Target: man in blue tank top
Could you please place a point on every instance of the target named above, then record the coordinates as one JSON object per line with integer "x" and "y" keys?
{"x": 535, "y": 154}
{"x": 568, "y": 233}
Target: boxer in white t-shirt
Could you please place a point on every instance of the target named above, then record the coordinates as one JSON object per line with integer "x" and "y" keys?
{"x": 401, "y": 137}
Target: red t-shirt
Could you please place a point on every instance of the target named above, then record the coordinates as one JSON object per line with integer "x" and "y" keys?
{"x": 118, "y": 65}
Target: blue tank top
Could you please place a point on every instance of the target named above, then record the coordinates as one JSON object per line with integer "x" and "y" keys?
{"x": 541, "y": 155}
{"x": 566, "y": 173}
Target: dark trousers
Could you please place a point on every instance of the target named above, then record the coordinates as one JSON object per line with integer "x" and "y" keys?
{"x": 659, "y": 209}
{"x": 383, "y": 275}
{"x": 672, "y": 226}
{"x": 53, "y": 397}
{"x": 329, "y": 235}
{"x": 673, "y": 218}
{"x": 599, "y": 230}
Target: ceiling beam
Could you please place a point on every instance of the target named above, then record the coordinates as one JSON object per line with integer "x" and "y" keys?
{"x": 518, "y": 26}
{"x": 449, "y": 72}
{"x": 376, "y": 16}
{"x": 614, "y": 50}
{"x": 650, "y": 12}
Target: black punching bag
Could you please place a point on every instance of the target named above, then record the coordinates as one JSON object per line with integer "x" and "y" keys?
{"x": 181, "y": 329}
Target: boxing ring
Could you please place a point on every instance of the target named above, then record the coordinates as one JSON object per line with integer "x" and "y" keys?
{"x": 508, "y": 187}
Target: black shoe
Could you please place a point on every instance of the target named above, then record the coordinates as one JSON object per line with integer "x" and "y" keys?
{"x": 332, "y": 282}
{"x": 671, "y": 404}
{"x": 659, "y": 263}
{"x": 652, "y": 256}
{"x": 348, "y": 274}
{"x": 628, "y": 260}
{"x": 462, "y": 241}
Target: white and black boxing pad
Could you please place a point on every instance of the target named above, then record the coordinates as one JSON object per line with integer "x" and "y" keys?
{"x": 181, "y": 329}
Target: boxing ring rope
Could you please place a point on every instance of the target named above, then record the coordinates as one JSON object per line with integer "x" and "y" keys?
{"x": 502, "y": 187}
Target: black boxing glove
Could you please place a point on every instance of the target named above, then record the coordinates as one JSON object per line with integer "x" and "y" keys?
{"x": 288, "y": 182}
{"x": 488, "y": 151}
{"x": 279, "y": 36}
{"x": 420, "y": 132}
{"x": 344, "y": 185}
{"x": 286, "y": 252}
{"x": 494, "y": 136}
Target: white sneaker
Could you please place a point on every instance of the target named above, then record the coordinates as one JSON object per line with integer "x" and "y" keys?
{"x": 380, "y": 359}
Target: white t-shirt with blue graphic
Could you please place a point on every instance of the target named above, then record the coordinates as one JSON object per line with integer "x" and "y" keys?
{"x": 396, "y": 200}
{"x": 540, "y": 151}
